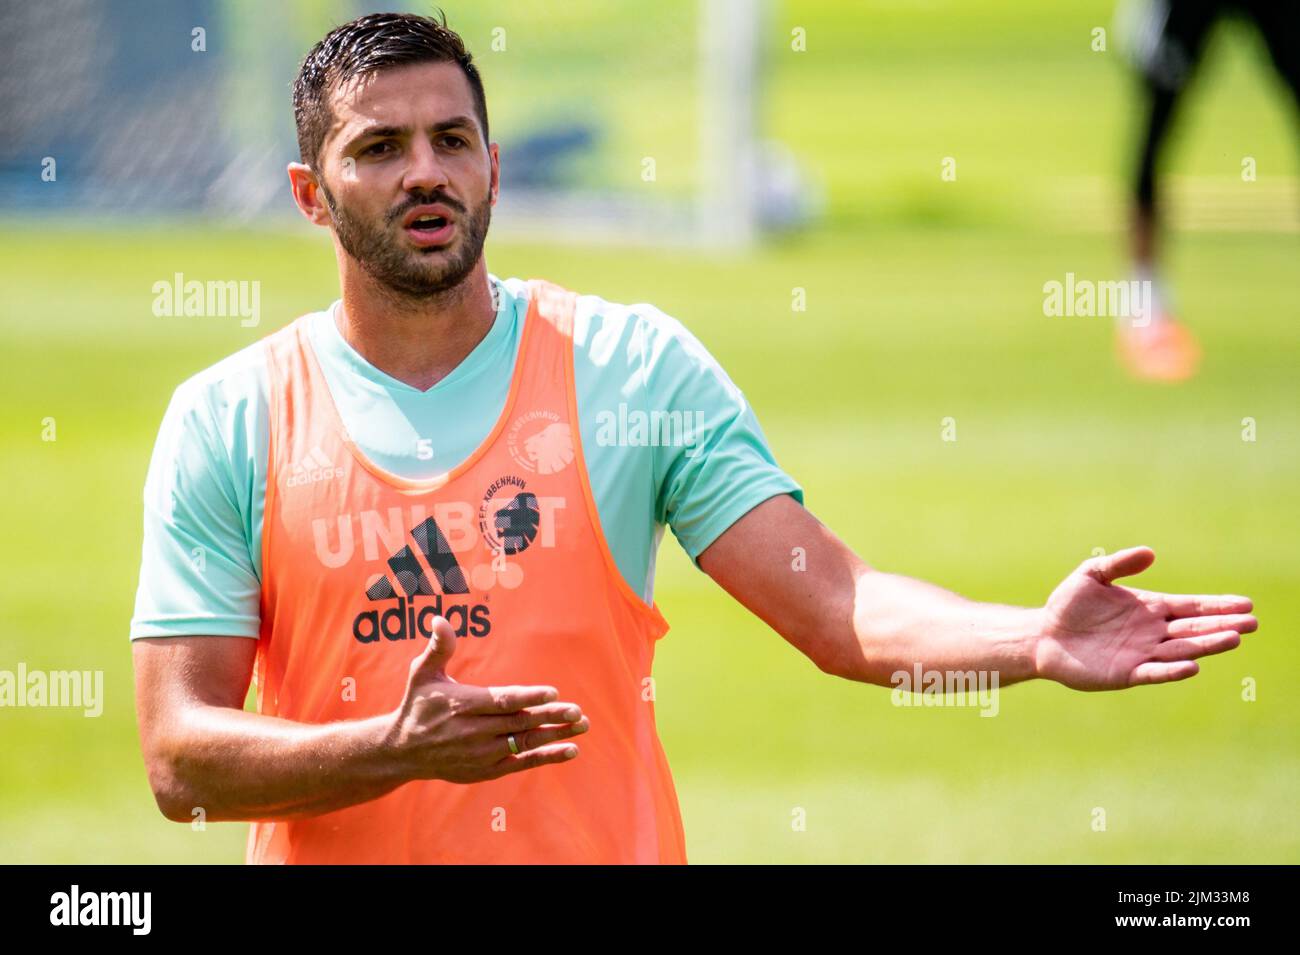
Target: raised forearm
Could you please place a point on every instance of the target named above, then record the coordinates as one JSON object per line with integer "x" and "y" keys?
{"x": 236, "y": 765}
{"x": 899, "y": 622}
{"x": 866, "y": 625}
{"x": 856, "y": 622}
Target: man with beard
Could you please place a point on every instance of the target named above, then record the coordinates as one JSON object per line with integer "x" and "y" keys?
{"x": 411, "y": 520}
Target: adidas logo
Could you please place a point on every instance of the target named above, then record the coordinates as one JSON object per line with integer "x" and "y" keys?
{"x": 407, "y": 618}
{"x": 314, "y": 467}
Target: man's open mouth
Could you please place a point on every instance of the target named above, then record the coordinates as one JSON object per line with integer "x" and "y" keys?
{"x": 428, "y": 229}
{"x": 428, "y": 223}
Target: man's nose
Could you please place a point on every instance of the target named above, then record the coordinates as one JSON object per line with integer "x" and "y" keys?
{"x": 425, "y": 171}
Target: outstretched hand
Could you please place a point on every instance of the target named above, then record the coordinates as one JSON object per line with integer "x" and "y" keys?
{"x": 1101, "y": 636}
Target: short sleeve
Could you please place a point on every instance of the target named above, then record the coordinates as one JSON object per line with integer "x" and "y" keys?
{"x": 197, "y": 575}
{"x": 725, "y": 469}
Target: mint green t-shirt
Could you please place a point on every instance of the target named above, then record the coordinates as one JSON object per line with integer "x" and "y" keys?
{"x": 201, "y": 566}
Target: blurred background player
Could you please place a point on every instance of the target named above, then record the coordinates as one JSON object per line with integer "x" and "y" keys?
{"x": 1169, "y": 42}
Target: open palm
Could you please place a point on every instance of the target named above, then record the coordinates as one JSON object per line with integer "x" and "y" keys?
{"x": 1101, "y": 636}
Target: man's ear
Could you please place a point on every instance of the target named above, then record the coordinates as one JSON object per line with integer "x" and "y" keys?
{"x": 307, "y": 193}
{"x": 496, "y": 171}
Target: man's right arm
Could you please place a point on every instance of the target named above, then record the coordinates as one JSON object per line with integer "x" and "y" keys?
{"x": 203, "y": 751}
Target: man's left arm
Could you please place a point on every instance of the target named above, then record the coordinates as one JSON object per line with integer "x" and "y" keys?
{"x": 866, "y": 625}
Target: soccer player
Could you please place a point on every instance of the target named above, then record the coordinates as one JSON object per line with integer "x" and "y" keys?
{"x": 423, "y": 521}
{"x": 1169, "y": 43}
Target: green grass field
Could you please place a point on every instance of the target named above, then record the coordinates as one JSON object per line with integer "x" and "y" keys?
{"x": 924, "y": 301}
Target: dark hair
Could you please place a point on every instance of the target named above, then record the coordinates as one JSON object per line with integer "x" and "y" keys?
{"x": 363, "y": 46}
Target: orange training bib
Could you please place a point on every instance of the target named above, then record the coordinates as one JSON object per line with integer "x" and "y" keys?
{"x": 508, "y": 547}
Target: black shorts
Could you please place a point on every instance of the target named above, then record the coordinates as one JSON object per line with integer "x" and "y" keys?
{"x": 1171, "y": 36}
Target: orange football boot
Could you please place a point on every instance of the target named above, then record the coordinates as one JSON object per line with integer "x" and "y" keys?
{"x": 1164, "y": 350}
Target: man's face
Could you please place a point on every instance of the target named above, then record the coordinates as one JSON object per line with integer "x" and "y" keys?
{"x": 405, "y": 140}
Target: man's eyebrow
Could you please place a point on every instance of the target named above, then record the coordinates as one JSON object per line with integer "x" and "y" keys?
{"x": 456, "y": 122}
